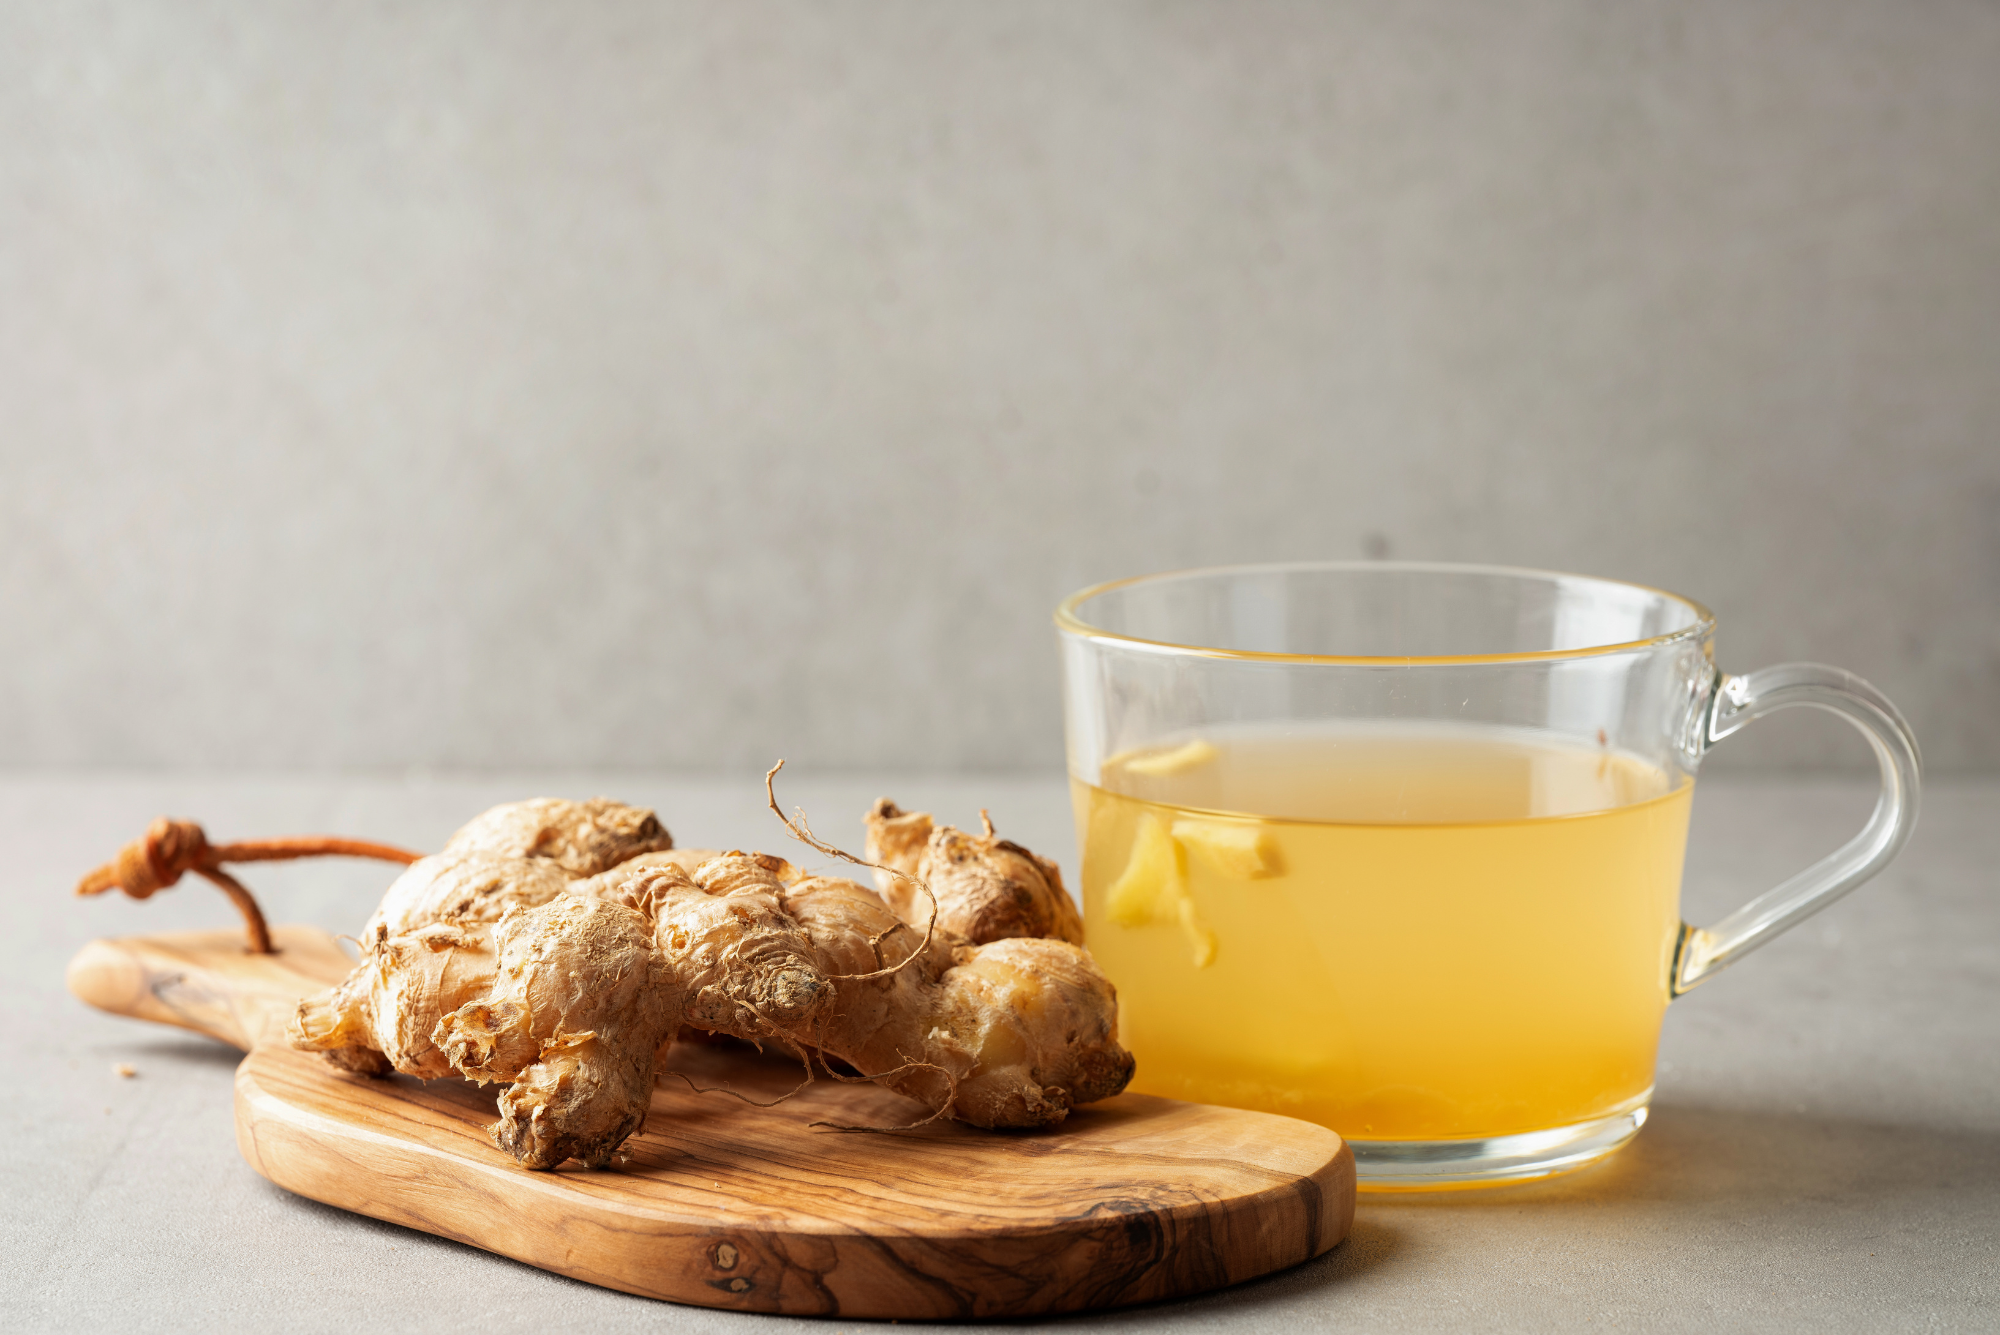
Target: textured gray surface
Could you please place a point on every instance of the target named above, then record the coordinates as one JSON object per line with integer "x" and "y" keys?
{"x": 478, "y": 385}
{"x": 1824, "y": 1153}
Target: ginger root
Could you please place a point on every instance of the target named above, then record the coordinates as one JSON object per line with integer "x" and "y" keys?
{"x": 1153, "y": 888}
{"x": 609, "y": 885}
{"x": 579, "y": 1005}
{"x": 490, "y": 923}
{"x": 557, "y": 947}
{"x": 465, "y": 888}
{"x": 384, "y": 1015}
{"x": 567, "y": 1001}
{"x": 987, "y": 888}
{"x": 1012, "y": 1033}
{"x": 518, "y": 854}
{"x": 583, "y": 838}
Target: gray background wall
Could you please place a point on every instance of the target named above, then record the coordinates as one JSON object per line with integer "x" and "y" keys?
{"x": 487, "y": 385}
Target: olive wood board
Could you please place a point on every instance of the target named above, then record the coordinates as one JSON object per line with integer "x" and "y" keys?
{"x": 722, "y": 1204}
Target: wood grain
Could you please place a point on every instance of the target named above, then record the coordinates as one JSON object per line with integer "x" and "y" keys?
{"x": 723, "y": 1204}
{"x": 208, "y": 981}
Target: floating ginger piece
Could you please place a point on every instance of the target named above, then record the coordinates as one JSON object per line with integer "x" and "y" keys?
{"x": 1161, "y": 764}
{"x": 986, "y": 888}
{"x": 1153, "y": 888}
{"x": 1152, "y": 882}
{"x": 1240, "y": 849}
{"x": 1200, "y": 936}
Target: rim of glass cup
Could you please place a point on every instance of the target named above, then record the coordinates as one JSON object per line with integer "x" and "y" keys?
{"x": 1069, "y": 621}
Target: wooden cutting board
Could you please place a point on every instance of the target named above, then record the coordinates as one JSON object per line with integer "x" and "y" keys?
{"x": 721, "y": 1204}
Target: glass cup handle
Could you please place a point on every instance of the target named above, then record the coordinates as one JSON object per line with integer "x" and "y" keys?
{"x": 1703, "y": 951}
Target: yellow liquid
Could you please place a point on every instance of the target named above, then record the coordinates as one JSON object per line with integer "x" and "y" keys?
{"x": 1409, "y": 935}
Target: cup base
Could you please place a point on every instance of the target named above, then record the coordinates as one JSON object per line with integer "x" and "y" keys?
{"x": 1493, "y": 1161}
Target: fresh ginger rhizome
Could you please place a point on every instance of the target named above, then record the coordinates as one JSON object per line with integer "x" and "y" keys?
{"x": 558, "y": 948}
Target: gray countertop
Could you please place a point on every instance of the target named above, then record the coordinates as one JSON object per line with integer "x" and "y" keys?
{"x": 1824, "y": 1151}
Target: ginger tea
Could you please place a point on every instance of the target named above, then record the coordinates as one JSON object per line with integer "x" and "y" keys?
{"x": 1407, "y": 934}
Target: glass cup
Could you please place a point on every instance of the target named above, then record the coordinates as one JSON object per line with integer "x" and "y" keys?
{"x": 1397, "y": 847}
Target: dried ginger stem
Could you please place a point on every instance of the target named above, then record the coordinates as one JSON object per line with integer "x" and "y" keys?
{"x": 745, "y": 1098}
{"x": 951, "y": 1095}
{"x": 802, "y": 832}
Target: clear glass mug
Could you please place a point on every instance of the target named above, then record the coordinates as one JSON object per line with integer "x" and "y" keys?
{"x": 1397, "y": 847}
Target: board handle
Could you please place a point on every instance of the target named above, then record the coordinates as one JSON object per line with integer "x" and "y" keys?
{"x": 208, "y": 981}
